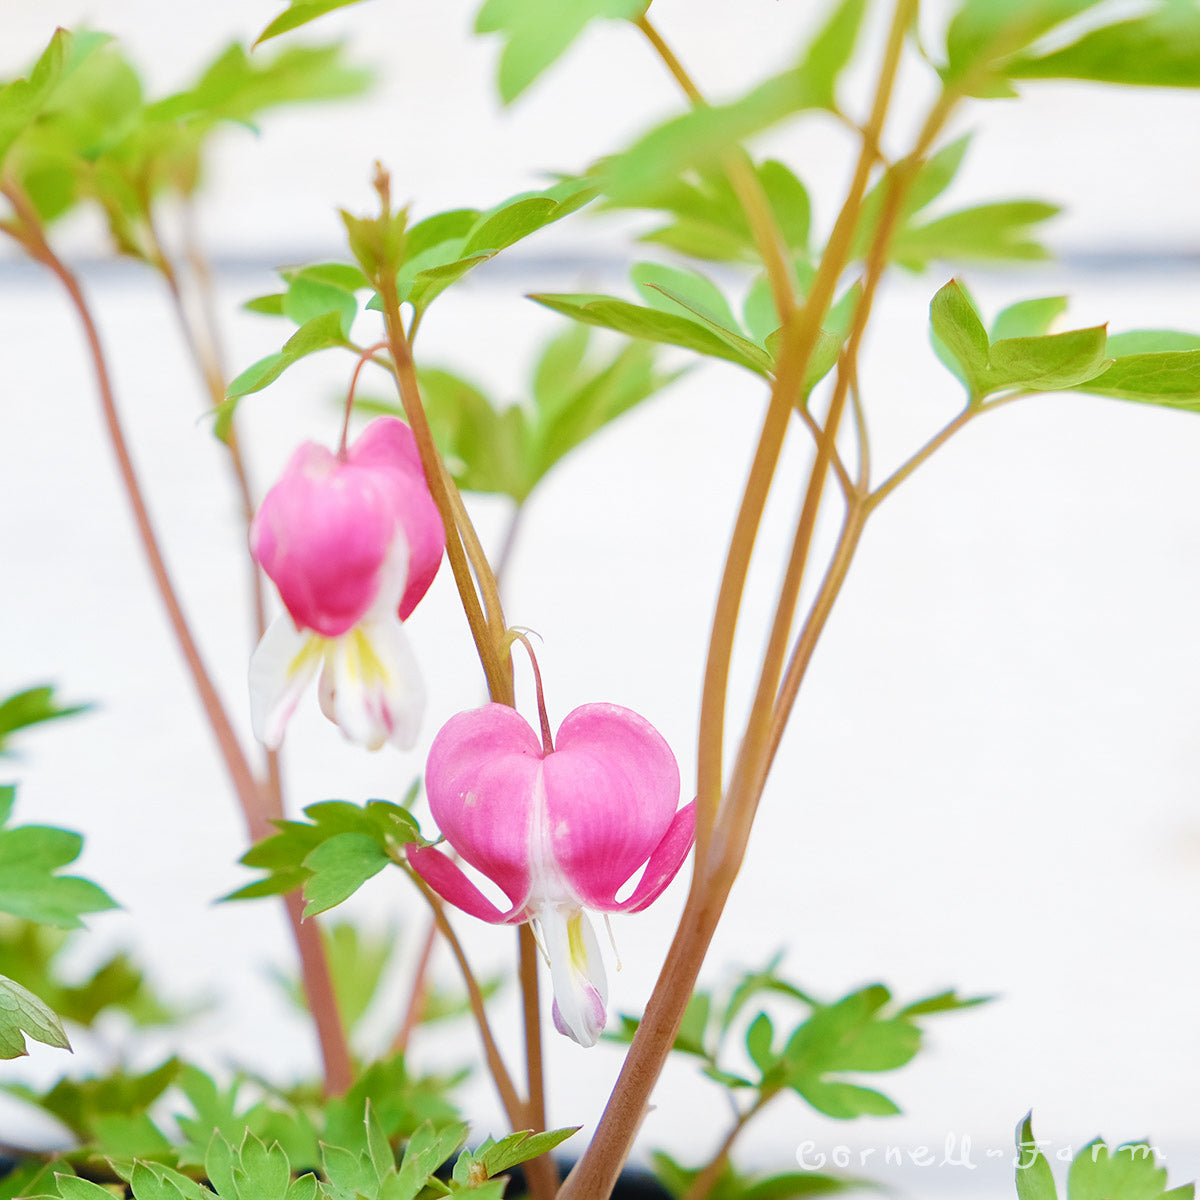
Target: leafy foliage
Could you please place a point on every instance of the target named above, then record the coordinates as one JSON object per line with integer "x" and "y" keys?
{"x": 861, "y": 1032}
{"x": 686, "y": 309}
{"x": 510, "y": 450}
{"x": 537, "y": 32}
{"x": 732, "y": 1184}
{"x": 30, "y": 856}
{"x": 1127, "y": 1172}
{"x": 331, "y": 855}
{"x": 32, "y": 953}
{"x": 300, "y": 12}
{"x": 699, "y": 139}
{"x": 1150, "y": 366}
{"x": 23, "y": 1014}
{"x": 1160, "y": 48}
{"x": 31, "y": 707}
{"x": 80, "y": 127}
{"x": 708, "y": 222}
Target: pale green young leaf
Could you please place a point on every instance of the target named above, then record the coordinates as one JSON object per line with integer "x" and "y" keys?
{"x": 320, "y": 333}
{"x": 262, "y": 1173}
{"x": 1151, "y": 341}
{"x": 300, "y": 12}
{"x": 1170, "y": 379}
{"x": 23, "y": 1014}
{"x": 308, "y": 298}
{"x": 959, "y": 337}
{"x": 1028, "y": 318}
{"x": 699, "y": 139}
{"x": 948, "y": 1001}
{"x": 1158, "y": 49}
{"x": 1059, "y": 360}
{"x": 983, "y": 34}
{"x": 1035, "y": 1180}
{"x": 674, "y": 290}
{"x": 537, "y": 32}
{"x": 22, "y": 99}
{"x": 649, "y": 323}
{"x": 986, "y": 233}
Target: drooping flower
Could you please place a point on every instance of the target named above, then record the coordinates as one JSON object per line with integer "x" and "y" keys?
{"x": 560, "y": 830}
{"x": 352, "y": 541}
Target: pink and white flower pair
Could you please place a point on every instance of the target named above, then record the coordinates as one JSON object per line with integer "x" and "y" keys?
{"x": 352, "y": 541}
{"x": 560, "y": 830}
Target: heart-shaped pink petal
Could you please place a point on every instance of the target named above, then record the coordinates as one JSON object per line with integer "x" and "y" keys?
{"x": 480, "y": 779}
{"x": 612, "y": 788}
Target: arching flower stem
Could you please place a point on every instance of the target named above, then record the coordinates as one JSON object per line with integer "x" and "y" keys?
{"x": 364, "y": 357}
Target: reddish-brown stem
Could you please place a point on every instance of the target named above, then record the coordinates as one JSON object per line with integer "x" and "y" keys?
{"x": 540, "y": 1172}
{"x": 255, "y": 801}
{"x": 514, "y": 1108}
{"x": 715, "y": 871}
{"x": 419, "y": 996}
{"x": 364, "y": 357}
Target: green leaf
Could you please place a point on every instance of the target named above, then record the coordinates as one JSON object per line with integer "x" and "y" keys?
{"x": 83, "y": 1105}
{"x": 1170, "y": 379}
{"x": 759, "y": 1039}
{"x": 656, "y": 326}
{"x": 984, "y": 34}
{"x": 1151, "y": 341}
{"x": 699, "y": 138}
{"x": 320, "y": 333}
{"x": 1028, "y": 318}
{"x": 29, "y": 857}
{"x": 288, "y": 856}
{"x": 688, "y": 292}
{"x": 1035, "y": 1180}
{"x": 329, "y": 287}
{"x": 1059, "y": 360}
{"x": 1159, "y": 49}
{"x": 1128, "y": 1172}
{"x": 340, "y": 866}
{"x": 845, "y": 1101}
{"x": 22, "y": 1013}
{"x": 71, "y": 1187}
{"x": 959, "y": 337}
{"x": 537, "y": 32}
{"x": 300, "y": 12}
{"x": 949, "y": 1001}
{"x": 31, "y": 707}
{"x": 22, "y": 99}
{"x": 988, "y": 232}
{"x": 522, "y": 1146}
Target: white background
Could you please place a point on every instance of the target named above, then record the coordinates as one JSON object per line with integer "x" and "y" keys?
{"x": 990, "y": 782}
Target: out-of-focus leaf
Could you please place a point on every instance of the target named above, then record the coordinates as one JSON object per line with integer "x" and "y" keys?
{"x": 31, "y": 707}
{"x": 1158, "y": 49}
{"x": 985, "y": 35}
{"x": 537, "y": 32}
{"x": 300, "y": 12}
{"x": 1028, "y": 318}
{"x": 30, "y": 856}
{"x": 654, "y": 325}
{"x": 698, "y": 139}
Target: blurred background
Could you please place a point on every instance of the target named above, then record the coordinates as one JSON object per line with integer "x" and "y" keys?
{"x": 990, "y": 782}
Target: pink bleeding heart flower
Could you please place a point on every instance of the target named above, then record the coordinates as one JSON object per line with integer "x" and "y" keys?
{"x": 352, "y": 541}
{"x": 559, "y": 830}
